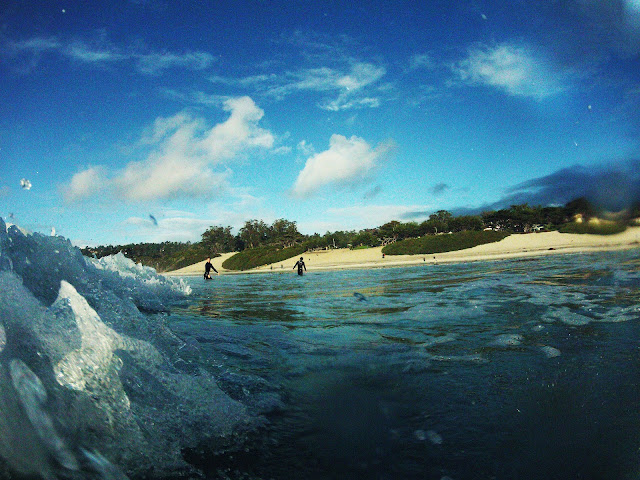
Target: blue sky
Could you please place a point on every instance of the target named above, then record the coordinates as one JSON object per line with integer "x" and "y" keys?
{"x": 336, "y": 116}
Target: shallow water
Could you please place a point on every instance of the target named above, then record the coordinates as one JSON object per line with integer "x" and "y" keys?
{"x": 516, "y": 369}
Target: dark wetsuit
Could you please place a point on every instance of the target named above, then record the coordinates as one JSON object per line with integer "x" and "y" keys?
{"x": 207, "y": 270}
{"x": 300, "y": 264}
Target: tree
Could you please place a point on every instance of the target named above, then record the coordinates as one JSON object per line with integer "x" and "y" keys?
{"x": 439, "y": 221}
{"x": 407, "y": 230}
{"x": 466, "y": 223}
{"x": 389, "y": 229}
{"x": 365, "y": 237}
{"x": 284, "y": 232}
{"x": 254, "y": 233}
{"x": 218, "y": 239}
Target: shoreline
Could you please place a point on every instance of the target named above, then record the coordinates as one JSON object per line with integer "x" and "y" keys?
{"x": 520, "y": 245}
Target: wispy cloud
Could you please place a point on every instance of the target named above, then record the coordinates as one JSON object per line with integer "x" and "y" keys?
{"x": 185, "y": 157}
{"x": 186, "y": 225}
{"x": 347, "y": 161}
{"x": 348, "y": 84}
{"x": 100, "y": 51}
{"x": 351, "y": 86}
{"x": 516, "y": 70}
{"x": 155, "y": 63}
{"x": 376, "y": 215}
{"x": 422, "y": 61}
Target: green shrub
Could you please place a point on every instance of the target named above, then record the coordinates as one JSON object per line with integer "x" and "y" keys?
{"x": 192, "y": 254}
{"x": 603, "y": 228}
{"x": 255, "y": 257}
{"x": 443, "y": 243}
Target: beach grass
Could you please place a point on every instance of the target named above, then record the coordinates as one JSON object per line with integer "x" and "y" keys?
{"x": 443, "y": 243}
{"x": 256, "y": 257}
{"x": 600, "y": 228}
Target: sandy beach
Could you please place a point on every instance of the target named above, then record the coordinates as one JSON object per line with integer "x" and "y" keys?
{"x": 514, "y": 246}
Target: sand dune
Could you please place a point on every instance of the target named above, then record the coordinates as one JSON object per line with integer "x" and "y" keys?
{"x": 514, "y": 246}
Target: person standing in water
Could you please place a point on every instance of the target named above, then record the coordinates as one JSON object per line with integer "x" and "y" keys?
{"x": 207, "y": 269}
{"x": 300, "y": 264}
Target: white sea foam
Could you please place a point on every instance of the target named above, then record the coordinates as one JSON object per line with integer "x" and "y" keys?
{"x": 472, "y": 358}
{"x": 508, "y": 340}
{"x": 568, "y": 317}
{"x": 449, "y": 337}
{"x": 119, "y": 372}
{"x": 127, "y": 268}
{"x": 550, "y": 352}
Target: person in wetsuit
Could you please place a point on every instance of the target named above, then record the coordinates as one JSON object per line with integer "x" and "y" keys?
{"x": 207, "y": 269}
{"x": 300, "y": 264}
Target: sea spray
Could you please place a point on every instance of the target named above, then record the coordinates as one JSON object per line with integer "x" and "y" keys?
{"x": 88, "y": 382}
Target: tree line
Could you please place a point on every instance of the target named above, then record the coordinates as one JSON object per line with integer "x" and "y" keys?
{"x": 284, "y": 233}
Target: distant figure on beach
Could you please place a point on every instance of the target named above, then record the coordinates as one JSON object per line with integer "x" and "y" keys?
{"x": 300, "y": 264}
{"x": 207, "y": 269}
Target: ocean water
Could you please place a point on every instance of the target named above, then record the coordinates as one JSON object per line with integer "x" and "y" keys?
{"x": 525, "y": 369}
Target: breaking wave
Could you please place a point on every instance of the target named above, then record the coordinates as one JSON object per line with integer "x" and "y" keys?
{"x": 90, "y": 386}
{"x": 137, "y": 272}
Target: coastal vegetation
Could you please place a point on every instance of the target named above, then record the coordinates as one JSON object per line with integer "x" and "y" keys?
{"x": 259, "y": 243}
{"x": 594, "y": 228}
{"x": 443, "y": 243}
{"x": 264, "y": 255}
{"x": 164, "y": 257}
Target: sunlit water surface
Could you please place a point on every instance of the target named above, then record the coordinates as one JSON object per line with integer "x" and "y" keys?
{"x": 525, "y": 369}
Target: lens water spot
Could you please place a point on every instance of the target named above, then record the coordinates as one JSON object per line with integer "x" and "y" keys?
{"x": 434, "y": 437}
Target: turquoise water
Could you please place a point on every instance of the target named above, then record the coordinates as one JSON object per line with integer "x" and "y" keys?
{"x": 516, "y": 369}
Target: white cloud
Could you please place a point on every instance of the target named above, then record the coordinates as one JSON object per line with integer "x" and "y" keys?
{"x": 239, "y": 132}
{"x": 516, "y": 70}
{"x": 85, "y": 184}
{"x": 348, "y": 160}
{"x": 185, "y": 159}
